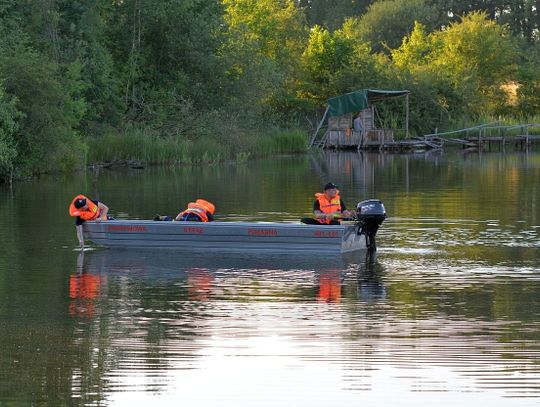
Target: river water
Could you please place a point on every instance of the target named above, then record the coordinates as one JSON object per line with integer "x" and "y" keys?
{"x": 446, "y": 312}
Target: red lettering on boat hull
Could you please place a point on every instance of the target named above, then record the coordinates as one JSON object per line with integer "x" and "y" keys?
{"x": 326, "y": 233}
{"x": 193, "y": 230}
{"x": 126, "y": 228}
{"x": 262, "y": 232}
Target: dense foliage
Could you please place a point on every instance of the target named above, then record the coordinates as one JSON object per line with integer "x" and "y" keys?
{"x": 209, "y": 80}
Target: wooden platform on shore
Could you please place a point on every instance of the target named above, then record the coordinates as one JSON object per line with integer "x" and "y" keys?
{"x": 379, "y": 139}
{"x": 487, "y": 136}
{"x": 406, "y": 145}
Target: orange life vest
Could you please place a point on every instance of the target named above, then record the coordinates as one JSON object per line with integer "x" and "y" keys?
{"x": 91, "y": 213}
{"x": 328, "y": 206}
{"x": 199, "y": 208}
{"x": 208, "y": 206}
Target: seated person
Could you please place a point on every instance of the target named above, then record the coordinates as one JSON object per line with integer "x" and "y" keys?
{"x": 198, "y": 211}
{"x": 357, "y": 123}
{"x": 328, "y": 208}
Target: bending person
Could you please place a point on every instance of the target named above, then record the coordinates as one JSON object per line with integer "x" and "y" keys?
{"x": 83, "y": 209}
{"x": 328, "y": 208}
{"x": 198, "y": 211}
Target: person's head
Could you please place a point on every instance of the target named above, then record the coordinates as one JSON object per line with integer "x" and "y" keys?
{"x": 80, "y": 203}
{"x": 330, "y": 189}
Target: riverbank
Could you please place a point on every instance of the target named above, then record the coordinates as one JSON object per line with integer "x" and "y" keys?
{"x": 145, "y": 147}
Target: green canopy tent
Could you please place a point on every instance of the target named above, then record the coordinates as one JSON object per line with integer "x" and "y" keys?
{"x": 360, "y": 100}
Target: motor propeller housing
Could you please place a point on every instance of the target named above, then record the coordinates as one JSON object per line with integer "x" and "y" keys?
{"x": 370, "y": 214}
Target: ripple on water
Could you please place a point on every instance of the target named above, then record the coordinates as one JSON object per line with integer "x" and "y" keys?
{"x": 459, "y": 232}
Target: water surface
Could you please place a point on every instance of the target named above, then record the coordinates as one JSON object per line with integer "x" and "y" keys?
{"x": 448, "y": 311}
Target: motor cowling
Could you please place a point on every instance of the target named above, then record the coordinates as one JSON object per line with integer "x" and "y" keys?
{"x": 370, "y": 214}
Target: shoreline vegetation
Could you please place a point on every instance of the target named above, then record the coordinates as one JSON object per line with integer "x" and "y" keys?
{"x": 140, "y": 148}
{"x": 143, "y": 148}
{"x": 207, "y": 81}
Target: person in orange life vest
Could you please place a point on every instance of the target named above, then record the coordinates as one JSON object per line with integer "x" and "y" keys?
{"x": 328, "y": 208}
{"x": 198, "y": 211}
{"x": 83, "y": 209}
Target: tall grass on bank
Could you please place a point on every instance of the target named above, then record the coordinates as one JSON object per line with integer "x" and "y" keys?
{"x": 137, "y": 145}
{"x": 148, "y": 147}
{"x": 282, "y": 142}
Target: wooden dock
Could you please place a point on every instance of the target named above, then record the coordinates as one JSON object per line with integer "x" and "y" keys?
{"x": 490, "y": 136}
{"x": 375, "y": 139}
{"x": 483, "y": 137}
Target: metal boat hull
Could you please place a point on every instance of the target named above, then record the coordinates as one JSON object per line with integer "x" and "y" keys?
{"x": 239, "y": 237}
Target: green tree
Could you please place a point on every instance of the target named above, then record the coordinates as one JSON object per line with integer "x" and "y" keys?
{"x": 266, "y": 39}
{"x": 336, "y": 63}
{"x": 528, "y": 91}
{"x": 275, "y": 28}
{"x": 386, "y": 22}
{"x": 166, "y": 51}
{"x": 325, "y": 54}
{"x": 82, "y": 41}
{"x": 434, "y": 101}
{"x": 65, "y": 31}
{"x": 522, "y": 16}
{"x": 46, "y": 114}
{"x": 8, "y": 128}
{"x": 416, "y": 51}
{"x": 46, "y": 139}
{"x": 476, "y": 56}
{"x": 479, "y": 54}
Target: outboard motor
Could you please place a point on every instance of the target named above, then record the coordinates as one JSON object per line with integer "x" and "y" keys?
{"x": 370, "y": 215}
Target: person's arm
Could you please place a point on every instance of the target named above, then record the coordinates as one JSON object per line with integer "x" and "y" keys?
{"x": 320, "y": 214}
{"x": 80, "y": 235}
{"x": 210, "y": 217}
{"x": 346, "y": 213}
{"x": 104, "y": 211}
{"x": 317, "y": 210}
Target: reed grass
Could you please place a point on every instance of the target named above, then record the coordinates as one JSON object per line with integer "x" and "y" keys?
{"x": 282, "y": 142}
{"x": 149, "y": 147}
{"x": 137, "y": 145}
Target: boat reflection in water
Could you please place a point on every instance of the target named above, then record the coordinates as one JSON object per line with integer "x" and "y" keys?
{"x": 200, "y": 282}
{"x": 199, "y": 277}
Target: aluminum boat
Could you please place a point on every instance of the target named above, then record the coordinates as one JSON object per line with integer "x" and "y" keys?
{"x": 242, "y": 237}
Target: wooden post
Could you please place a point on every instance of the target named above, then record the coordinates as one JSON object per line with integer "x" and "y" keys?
{"x": 407, "y": 116}
{"x": 480, "y": 139}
